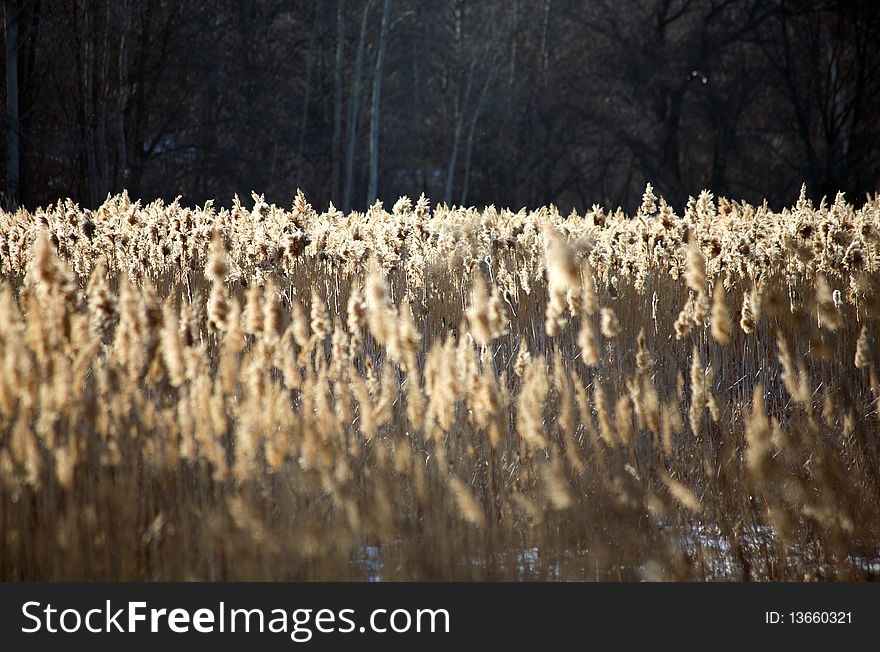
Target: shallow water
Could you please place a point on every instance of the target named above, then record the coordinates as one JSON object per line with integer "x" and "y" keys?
{"x": 704, "y": 545}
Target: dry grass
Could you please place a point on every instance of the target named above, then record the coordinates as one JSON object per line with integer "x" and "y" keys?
{"x": 439, "y": 394}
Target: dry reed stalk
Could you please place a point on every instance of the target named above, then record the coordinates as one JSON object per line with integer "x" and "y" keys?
{"x": 325, "y": 380}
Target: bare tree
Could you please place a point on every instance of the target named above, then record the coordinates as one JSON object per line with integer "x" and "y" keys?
{"x": 499, "y": 101}
{"x": 103, "y": 100}
{"x": 824, "y": 56}
{"x": 354, "y": 107}
{"x": 88, "y": 81}
{"x": 482, "y": 60}
{"x": 376, "y": 103}
{"x": 123, "y": 96}
{"x": 13, "y": 126}
{"x": 310, "y": 57}
{"x": 337, "y": 100}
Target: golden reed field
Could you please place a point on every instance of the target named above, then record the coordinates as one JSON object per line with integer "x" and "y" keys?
{"x": 440, "y": 393}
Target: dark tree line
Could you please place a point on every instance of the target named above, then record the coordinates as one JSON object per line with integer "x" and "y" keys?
{"x": 511, "y": 102}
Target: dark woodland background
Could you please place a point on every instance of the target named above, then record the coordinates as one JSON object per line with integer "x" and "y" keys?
{"x": 510, "y": 102}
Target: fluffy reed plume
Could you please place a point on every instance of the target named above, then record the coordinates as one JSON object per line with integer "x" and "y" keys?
{"x": 563, "y": 278}
{"x": 523, "y": 360}
{"x": 258, "y": 393}
{"x": 711, "y": 403}
{"x": 478, "y": 312}
{"x": 234, "y": 336}
{"x": 758, "y": 447}
{"x": 587, "y": 342}
{"x": 749, "y": 314}
{"x": 649, "y": 201}
{"x": 380, "y": 313}
{"x": 610, "y": 325}
{"x": 682, "y": 494}
{"x": 216, "y": 271}
{"x": 485, "y": 314}
{"x": 530, "y": 418}
{"x": 218, "y": 266}
{"x": 172, "y": 349}
{"x": 101, "y": 304}
{"x": 272, "y": 315}
{"x": 695, "y": 276}
{"x": 826, "y": 306}
{"x": 590, "y": 300}
{"x": 606, "y": 430}
{"x": 555, "y": 484}
{"x": 643, "y": 355}
{"x": 408, "y": 340}
{"x": 721, "y": 325}
{"x": 468, "y": 506}
{"x": 319, "y": 320}
{"x": 862, "y": 358}
{"x": 486, "y": 402}
{"x": 623, "y": 421}
{"x": 43, "y": 268}
{"x": 685, "y": 321}
{"x": 356, "y": 316}
{"x": 131, "y": 327}
{"x": 793, "y": 378}
{"x": 254, "y": 310}
{"x": 299, "y": 326}
{"x": 698, "y": 392}
{"x": 647, "y": 403}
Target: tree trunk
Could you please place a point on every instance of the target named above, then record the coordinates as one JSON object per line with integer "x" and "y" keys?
{"x": 337, "y": 100}
{"x": 138, "y": 110}
{"x": 122, "y": 106}
{"x": 461, "y": 106}
{"x": 459, "y": 40}
{"x": 376, "y": 105}
{"x": 469, "y": 147}
{"x": 13, "y": 126}
{"x": 354, "y": 102}
{"x": 670, "y": 146}
{"x": 545, "y": 43}
{"x": 101, "y": 132}
{"x": 304, "y": 123}
{"x": 800, "y": 113}
{"x": 88, "y": 104}
{"x": 514, "y": 31}
{"x": 456, "y": 139}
